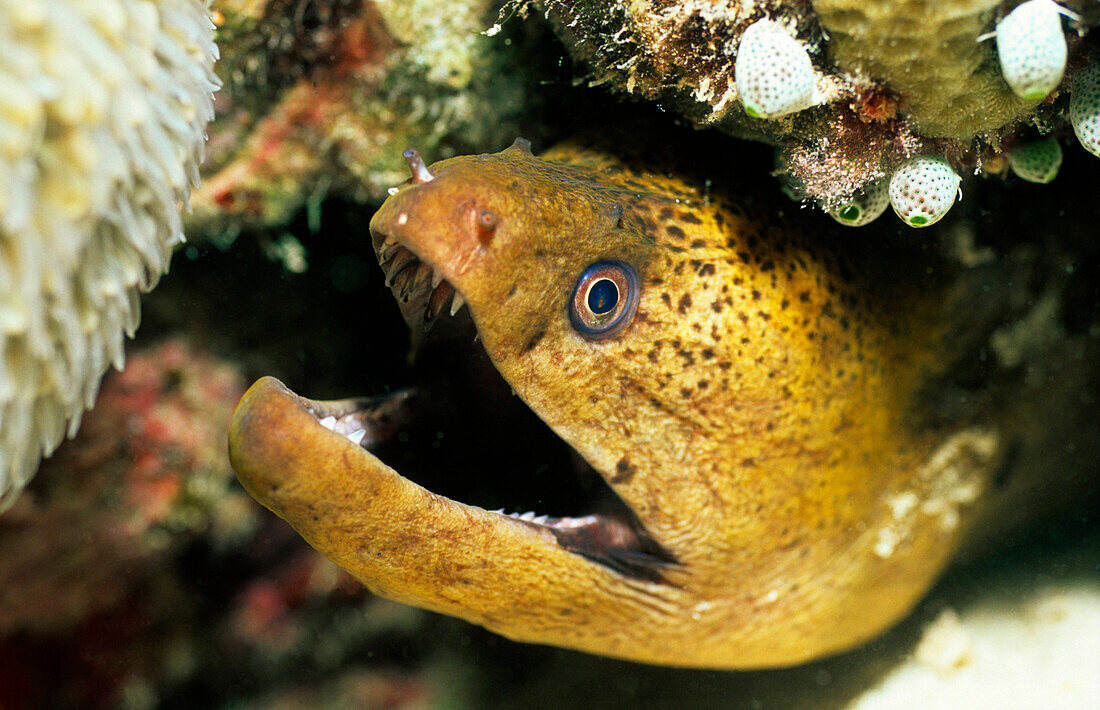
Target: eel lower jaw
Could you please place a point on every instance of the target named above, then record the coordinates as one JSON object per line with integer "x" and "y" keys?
{"x": 271, "y": 418}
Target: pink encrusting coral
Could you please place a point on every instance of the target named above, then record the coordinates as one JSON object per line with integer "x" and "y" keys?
{"x": 146, "y": 473}
{"x": 135, "y": 562}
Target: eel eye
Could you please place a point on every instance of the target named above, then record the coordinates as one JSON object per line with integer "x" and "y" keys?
{"x": 604, "y": 300}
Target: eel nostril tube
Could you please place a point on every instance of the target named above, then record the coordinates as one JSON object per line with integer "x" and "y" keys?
{"x": 420, "y": 172}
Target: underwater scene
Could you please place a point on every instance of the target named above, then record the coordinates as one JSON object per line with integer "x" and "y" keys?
{"x": 541, "y": 354}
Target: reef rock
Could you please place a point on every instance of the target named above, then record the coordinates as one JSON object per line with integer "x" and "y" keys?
{"x": 322, "y": 97}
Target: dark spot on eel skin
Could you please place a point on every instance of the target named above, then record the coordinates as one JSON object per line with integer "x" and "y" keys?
{"x": 675, "y": 231}
{"x": 690, "y": 218}
{"x": 624, "y": 471}
{"x": 684, "y": 304}
{"x": 533, "y": 341}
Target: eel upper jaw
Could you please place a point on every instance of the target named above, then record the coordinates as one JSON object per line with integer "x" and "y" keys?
{"x": 421, "y": 291}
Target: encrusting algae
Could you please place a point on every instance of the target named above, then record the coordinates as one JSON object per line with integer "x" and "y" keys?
{"x": 756, "y": 402}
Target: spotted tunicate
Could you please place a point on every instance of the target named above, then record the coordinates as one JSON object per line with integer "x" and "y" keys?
{"x": 923, "y": 190}
{"x": 1032, "y": 48}
{"x": 865, "y": 205}
{"x": 1084, "y": 107}
{"x": 773, "y": 72}
{"x": 1037, "y": 161}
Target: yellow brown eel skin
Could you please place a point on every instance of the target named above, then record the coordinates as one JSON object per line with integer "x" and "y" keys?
{"x": 754, "y": 400}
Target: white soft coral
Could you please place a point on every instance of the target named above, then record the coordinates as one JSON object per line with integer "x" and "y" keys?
{"x": 103, "y": 108}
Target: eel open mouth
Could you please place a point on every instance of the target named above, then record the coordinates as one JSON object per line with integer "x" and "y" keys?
{"x": 293, "y": 455}
{"x": 612, "y": 537}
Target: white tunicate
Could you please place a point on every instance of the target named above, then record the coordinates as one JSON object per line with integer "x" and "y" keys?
{"x": 923, "y": 190}
{"x": 1032, "y": 48}
{"x": 1037, "y": 161}
{"x": 865, "y": 206}
{"x": 773, "y": 72}
{"x": 1084, "y": 107}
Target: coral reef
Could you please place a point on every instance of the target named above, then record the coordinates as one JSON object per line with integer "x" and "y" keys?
{"x": 103, "y": 108}
{"x": 893, "y": 78}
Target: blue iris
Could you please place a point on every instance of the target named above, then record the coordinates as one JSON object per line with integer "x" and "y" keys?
{"x": 603, "y": 297}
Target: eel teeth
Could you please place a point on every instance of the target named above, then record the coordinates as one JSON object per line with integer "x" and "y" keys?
{"x": 415, "y": 282}
{"x": 437, "y": 278}
{"x": 437, "y": 302}
{"x": 386, "y": 249}
{"x": 457, "y": 303}
{"x": 531, "y": 517}
{"x": 401, "y": 261}
{"x": 340, "y": 426}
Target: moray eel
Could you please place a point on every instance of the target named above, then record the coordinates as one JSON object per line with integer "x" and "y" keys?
{"x": 753, "y": 399}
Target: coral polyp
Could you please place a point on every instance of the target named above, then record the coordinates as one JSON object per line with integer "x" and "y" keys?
{"x": 1032, "y": 48}
{"x": 103, "y": 105}
{"x": 1037, "y": 161}
{"x": 923, "y": 189}
{"x": 865, "y": 206}
{"x": 773, "y": 71}
{"x": 1084, "y": 108}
